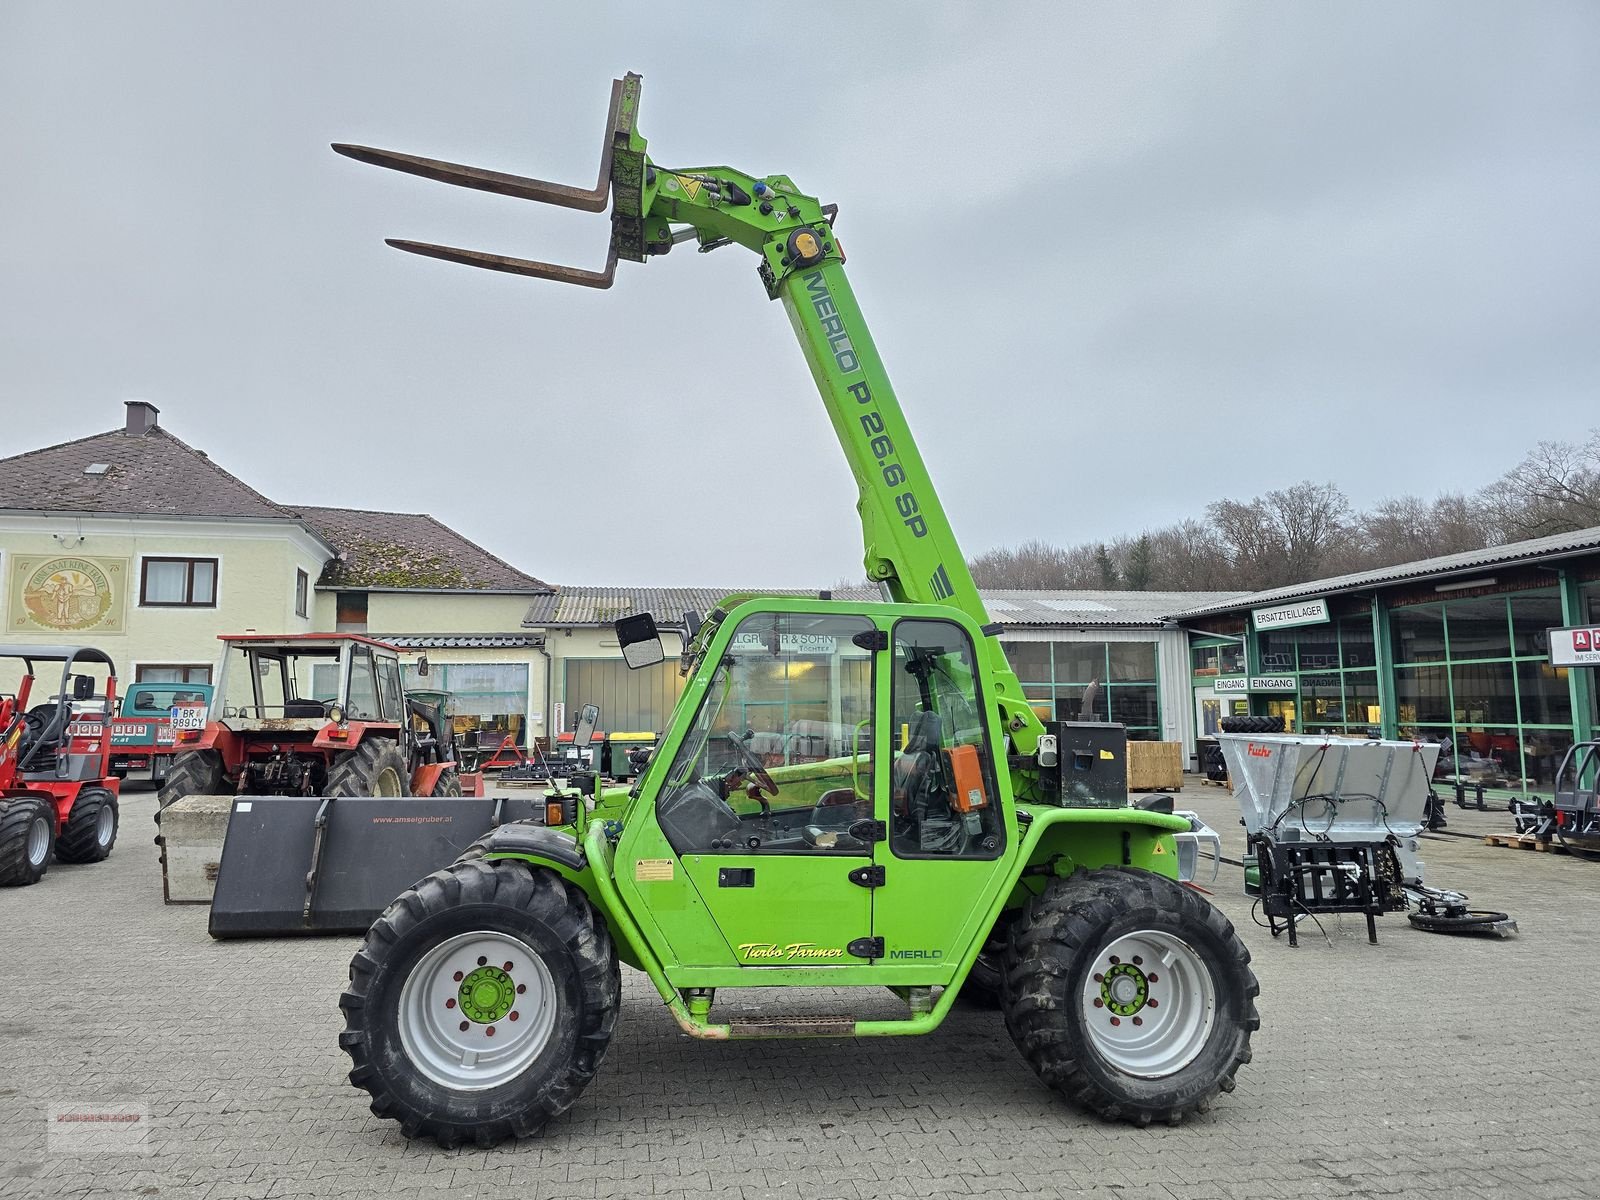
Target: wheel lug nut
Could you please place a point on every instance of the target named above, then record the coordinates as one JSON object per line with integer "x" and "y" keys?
{"x": 1099, "y": 1003}
{"x": 1153, "y": 1003}
{"x": 482, "y": 961}
{"x": 521, "y": 987}
{"x": 506, "y": 968}
{"x": 458, "y": 976}
{"x": 1138, "y": 1020}
{"x": 489, "y": 1032}
{"x": 515, "y": 1014}
{"x": 1099, "y": 978}
{"x": 450, "y": 1003}
{"x": 1115, "y": 960}
{"x": 1137, "y": 961}
{"x": 1153, "y": 977}
{"x": 465, "y": 1025}
{"x": 1116, "y": 1021}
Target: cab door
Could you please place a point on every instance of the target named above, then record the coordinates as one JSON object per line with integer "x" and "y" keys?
{"x": 768, "y": 806}
{"x": 943, "y": 807}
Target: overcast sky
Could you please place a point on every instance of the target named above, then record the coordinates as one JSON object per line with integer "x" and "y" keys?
{"x": 1121, "y": 260}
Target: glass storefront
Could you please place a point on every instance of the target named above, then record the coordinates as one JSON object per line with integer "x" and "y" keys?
{"x": 1091, "y": 681}
{"x": 1334, "y": 667}
{"x": 490, "y": 700}
{"x": 1474, "y": 674}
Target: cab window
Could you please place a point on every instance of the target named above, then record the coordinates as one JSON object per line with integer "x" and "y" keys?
{"x": 779, "y": 759}
{"x": 363, "y": 688}
{"x": 943, "y": 798}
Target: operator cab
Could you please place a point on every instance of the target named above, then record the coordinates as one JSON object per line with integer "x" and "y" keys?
{"x": 303, "y": 681}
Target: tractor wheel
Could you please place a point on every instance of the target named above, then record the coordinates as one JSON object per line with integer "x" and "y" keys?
{"x": 1130, "y": 995}
{"x": 481, "y": 1003}
{"x": 192, "y": 773}
{"x": 448, "y": 784}
{"x": 91, "y": 828}
{"x": 27, "y": 835}
{"x": 983, "y": 983}
{"x": 374, "y": 768}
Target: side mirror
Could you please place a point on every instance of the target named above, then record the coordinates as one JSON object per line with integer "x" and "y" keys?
{"x": 641, "y": 644}
{"x": 587, "y": 721}
{"x": 82, "y": 687}
{"x": 422, "y": 666}
{"x": 692, "y": 621}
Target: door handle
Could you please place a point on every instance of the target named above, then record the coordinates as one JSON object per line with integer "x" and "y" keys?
{"x": 736, "y": 877}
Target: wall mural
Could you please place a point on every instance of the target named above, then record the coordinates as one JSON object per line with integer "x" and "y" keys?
{"x": 68, "y": 594}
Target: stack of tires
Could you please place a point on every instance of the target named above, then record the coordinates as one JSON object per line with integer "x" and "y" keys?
{"x": 1211, "y": 760}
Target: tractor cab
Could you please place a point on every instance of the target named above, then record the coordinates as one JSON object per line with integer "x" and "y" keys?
{"x": 301, "y": 682}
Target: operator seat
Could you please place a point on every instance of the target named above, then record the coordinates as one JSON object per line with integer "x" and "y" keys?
{"x": 48, "y": 725}
{"x": 917, "y": 780}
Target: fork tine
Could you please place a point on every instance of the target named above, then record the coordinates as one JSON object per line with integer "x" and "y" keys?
{"x": 515, "y": 266}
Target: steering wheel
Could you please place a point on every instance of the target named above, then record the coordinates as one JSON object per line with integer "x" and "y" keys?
{"x": 756, "y": 772}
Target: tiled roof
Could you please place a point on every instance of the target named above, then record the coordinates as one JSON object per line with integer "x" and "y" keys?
{"x": 152, "y": 474}
{"x": 461, "y": 641}
{"x": 1556, "y": 546}
{"x": 409, "y": 550}
{"x": 1125, "y": 610}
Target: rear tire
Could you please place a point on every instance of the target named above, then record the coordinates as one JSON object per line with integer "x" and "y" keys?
{"x": 408, "y": 999}
{"x": 27, "y": 836}
{"x": 193, "y": 773}
{"x": 91, "y": 828}
{"x": 1083, "y": 1000}
{"x": 374, "y": 768}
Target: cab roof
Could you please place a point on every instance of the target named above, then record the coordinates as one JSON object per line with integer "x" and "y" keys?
{"x": 62, "y": 654}
{"x": 290, "y": 640}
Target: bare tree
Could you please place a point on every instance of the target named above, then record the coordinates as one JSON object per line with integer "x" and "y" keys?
{"x": 1556, "y": 489}
{"x": 1033, "y": 564}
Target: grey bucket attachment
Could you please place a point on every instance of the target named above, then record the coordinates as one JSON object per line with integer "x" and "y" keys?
{"x": 315, "y": 864}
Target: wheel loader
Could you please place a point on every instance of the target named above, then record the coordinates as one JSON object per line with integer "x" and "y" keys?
{"x": 935, "y": 845}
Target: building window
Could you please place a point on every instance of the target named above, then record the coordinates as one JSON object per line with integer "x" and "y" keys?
{"x": 1485, "y": 690}
{"x": 302, "y": 591}
{"x": 171, "y": 673}
{"x": 350, "y": 612}
{"x": 488, "y": 700}
{"x": 178, "y": 583}
{"x": 1091, "y": 681}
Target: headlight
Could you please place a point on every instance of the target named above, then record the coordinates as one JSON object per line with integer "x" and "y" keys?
{"x": 336, "y": 713}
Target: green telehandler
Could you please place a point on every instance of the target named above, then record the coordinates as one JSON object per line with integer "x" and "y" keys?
{"x": 933, "y": 838}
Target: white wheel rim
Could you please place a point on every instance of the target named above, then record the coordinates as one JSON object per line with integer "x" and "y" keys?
{"x": 1149, "y": 1004}
{"x": 495, "y": 986}
{"x": 38, "y": 841}
{"x": 387, "y": 783}
{"x": 104, "y": 822}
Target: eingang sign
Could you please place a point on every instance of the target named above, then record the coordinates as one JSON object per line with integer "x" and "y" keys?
{"x": 1287, "y": 616}
{"x": 1240, "y": 684}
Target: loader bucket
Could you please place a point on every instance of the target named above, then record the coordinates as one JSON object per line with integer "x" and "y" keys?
{"x": 315, "y": 864}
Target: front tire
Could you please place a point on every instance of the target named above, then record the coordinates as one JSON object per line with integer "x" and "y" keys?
{"x": 91, "y": 828}
{"x": 448, "y": 784}
{"x": 192, "y": 773}
{"x": 517, "y": 956}
{"x": 1130, "y": 995}
{"x": 374, "y": 768}
{"x": 27, "y": 836}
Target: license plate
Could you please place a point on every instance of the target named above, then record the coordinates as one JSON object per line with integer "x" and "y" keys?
{"x": 187, "y": 716}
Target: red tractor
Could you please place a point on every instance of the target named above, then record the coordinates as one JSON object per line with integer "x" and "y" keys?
{"x": 316, "y": 714}
{"x": 57, "y": 791}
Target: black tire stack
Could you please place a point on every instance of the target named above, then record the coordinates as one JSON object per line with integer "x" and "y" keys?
{"x": 1252, "y": 724}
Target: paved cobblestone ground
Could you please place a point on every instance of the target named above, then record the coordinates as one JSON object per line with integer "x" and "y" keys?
{"x": 1423, "y": 1066}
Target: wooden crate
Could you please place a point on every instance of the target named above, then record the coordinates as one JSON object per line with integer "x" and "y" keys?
{"x": 1155, "y": 766}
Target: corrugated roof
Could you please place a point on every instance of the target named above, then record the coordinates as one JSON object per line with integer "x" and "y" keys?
{"x": 409, "y": 550}
{"x": 461, "y": 641}
{"x": 153, "y": 473}
{"x": 1556, "y": 546}
{"x": 573, "y": 606}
